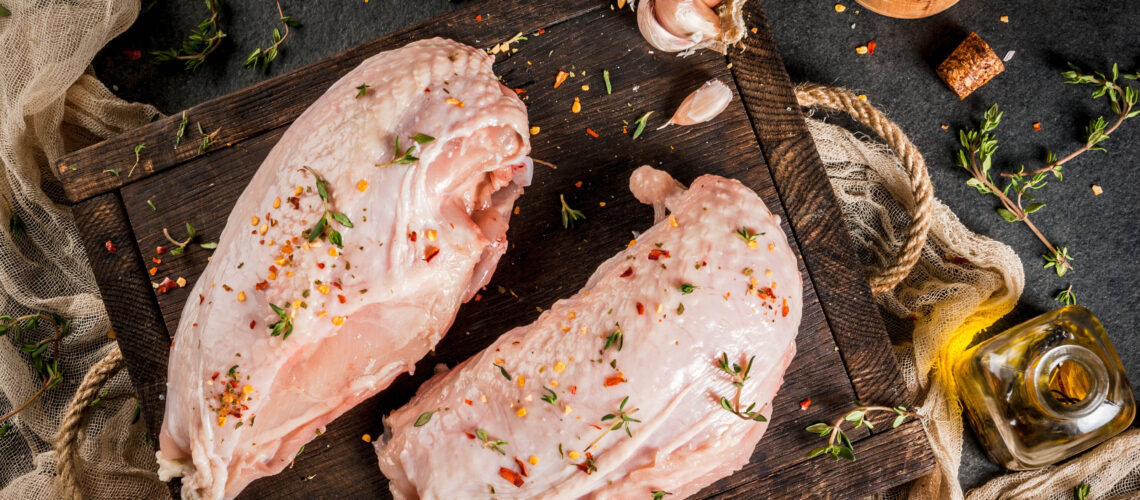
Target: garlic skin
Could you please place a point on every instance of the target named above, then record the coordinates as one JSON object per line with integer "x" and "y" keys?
{"x": 709, "y": 100}
{"x": 687, "y": 25}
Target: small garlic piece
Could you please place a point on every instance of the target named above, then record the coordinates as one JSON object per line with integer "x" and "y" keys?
{"x": 702, "y": 105}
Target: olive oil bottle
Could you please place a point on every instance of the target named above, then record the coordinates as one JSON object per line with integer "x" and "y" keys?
{"x": 1045, "y": 390}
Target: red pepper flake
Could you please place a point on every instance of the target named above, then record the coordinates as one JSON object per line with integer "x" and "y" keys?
{"x": 478, "y": 297}
{"x": 153, "y": 271}
{"x": 132, "y": 54}
{"x": 111, "y": 246}
{"x": 592, "y": 133}
{"x": 784, "y": 309}
{"x": 805, "y": 404}
{"x": 468, "y": 403}
{"x": 511, "y": 476}
{"x": 341, "y": 298}
{"x": 336, "y": 284}
{"x": 640, "y": 309}
{"x": 156, "y": 260}
{"x": 657, "y": 253}
{"x": 296, "y": 202}
{"x": 560, "y": 78}
{"x": 469, "y": 435}
{"x": 520, "y": 91}
{"x": 573, "y": 389}
{"x": 201, "y": 298}
{"x": 215, "y": 376}
{"x": 261, "y": 285}
{"x": 430, "y": 253}
{"x": 627, "y": 273}
{"x": 412, "y": 236}
{"x": 479, "y": 17}
{"x": 252, "y": 324}
{"x": 541, "y": 31}
{"x": 522, "y": 468}
{"x": 615, "y": 380}
{"x": 166, "y": 286}
{"x": 871, "y": 47}
{"x": 160, "y": 250}
{"x": 320, "y": 265}
{"x": 1037, "y": 126}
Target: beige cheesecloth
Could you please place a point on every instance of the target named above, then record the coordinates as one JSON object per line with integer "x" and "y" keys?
{"x": 50, "y": 103}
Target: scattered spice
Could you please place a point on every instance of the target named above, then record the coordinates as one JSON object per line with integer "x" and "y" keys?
{"x": 591, "y": 132}
{"x": 840, "y": 7}
{"x": 112, "y": 248}
{"x": 511, "y": 476}
{"x": 805, "y": 404}
{"x": 166, "y": 285}
{"x": 562, "y": 75}
{"x": 576, "y": 107}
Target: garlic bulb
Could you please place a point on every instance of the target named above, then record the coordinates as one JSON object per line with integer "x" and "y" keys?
{"x": 702, "y": 105}
{"x": 687, "y": 25}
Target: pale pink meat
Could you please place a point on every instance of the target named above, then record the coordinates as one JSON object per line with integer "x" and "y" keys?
{"x": 426, "y": 235}
{"x": 746, "y": 301}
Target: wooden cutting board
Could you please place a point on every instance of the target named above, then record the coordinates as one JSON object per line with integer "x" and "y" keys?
{"x": 843, "y": 352}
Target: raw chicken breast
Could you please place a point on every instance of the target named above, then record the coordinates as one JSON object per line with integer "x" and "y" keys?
{"x": 281, "y": 334}
{"x": 646, "y": 337}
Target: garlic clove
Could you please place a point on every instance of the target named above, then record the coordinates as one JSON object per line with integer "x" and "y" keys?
{"x": 702, "y": 105}
{"x": 687, "y": 25}
{"x": 656, "y": 34}
{"x": 690, "y": 19}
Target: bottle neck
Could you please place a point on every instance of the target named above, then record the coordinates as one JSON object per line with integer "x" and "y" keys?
{"x": 1068, "y": 382}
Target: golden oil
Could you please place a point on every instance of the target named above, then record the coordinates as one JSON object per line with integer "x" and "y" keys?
{"x": 1045, "y": 390}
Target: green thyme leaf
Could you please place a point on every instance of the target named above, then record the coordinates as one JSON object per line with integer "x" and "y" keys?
{"x": 641, "y": 125}
{"x": 424, "y": 418}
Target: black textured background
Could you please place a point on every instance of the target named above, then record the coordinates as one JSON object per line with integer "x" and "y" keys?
{"x": 818, "y": 45}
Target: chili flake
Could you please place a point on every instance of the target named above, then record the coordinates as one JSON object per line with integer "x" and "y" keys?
{"x": 559, "y": 367}
{"x": 805, "y": 404}
{"x": 111, "y": 246}
{"x": 627, "y": 273}
{"x": 362, "y": 186}
{"x": 166, "y": 286}
{"x": 455, "y": 102}
{"x": 871, "y": 47}
{"x": 521, "y": 412}
{"x": 640, "y": 309}
{"x": 560, "y": 78}
{"x": 535, "y": 130}
{"x": 590, "y": 131}
{"x": 338, "y": 320}
{"x": 615, "y": 380}
{"x": 430, "y": 253}
{"x": 657, "y": 254}
{"x": 241, "y": 296}
{"x": 576, "y": 107}
{"x": 1037, "y": 126}
{"x": 366, "y": 438}
{"x": 511, "y": 476}
{"x": 277, "y": 202}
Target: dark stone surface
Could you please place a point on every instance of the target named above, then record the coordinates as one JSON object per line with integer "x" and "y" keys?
{"x": 818, "y": 45}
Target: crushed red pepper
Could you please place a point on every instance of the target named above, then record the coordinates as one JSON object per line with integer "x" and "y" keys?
{"x": 805, "y": 404}
{"x": 430, "y": 253}
{"x": 627, "y": 273}
{"x": 640, "y": 309}
{"x": 522, "y": 468}
{"x": 166, "y": 286}
{"x": 657, "y": 254}
{"x": 111, "y": 246}
{"x": 615, "y": 380}
{"x": 511, "y": 476}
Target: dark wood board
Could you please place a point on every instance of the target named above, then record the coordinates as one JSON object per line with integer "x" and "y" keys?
{"x": 843, "y": 353}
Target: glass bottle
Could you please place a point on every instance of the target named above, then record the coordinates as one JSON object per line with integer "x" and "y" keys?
{"x": 1045, "y": 390}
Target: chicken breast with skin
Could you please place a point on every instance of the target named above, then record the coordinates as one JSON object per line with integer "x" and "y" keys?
{"x": 616, "y": 391}
{"x": 286, "y": 329}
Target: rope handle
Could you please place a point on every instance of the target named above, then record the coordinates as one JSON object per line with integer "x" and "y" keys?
{"x": 811, "y": 95}
{"x": 68, "y": 463}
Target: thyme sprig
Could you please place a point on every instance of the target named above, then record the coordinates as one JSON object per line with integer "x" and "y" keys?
{"x": 621, "y": 419}
{"x": 616, "y": 338}
{"x": 838, "y": 444}
{"x": 318, "y": 229}
{"x": 1122, "y": 99}
{"x": 569, "y": 215}
{"x": 138, "y": 149}
{"x": 284, "y": 325}
{"x": 191, "y": 236}
{"x": 207, "y": 139}
{"x": 552, "y": 397}
{"x": 406, "y": 157}
{"x": 203, "y": 41}
{"x": 739, "y": 376}
{"x": 181, "y": 130}
{"x": 976, "y": 157}
{"x": 488, "y": 442}
{"x": 46, "y": 368}
{"x": 262, "y": 57}
{"x": 1066, "y": 296}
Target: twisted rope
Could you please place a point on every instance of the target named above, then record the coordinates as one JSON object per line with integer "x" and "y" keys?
{"x": 812, "y": 95}
{"x": 67, "y": 438}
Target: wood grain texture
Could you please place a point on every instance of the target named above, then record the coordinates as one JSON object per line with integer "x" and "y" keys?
{"x": 279, "y": 100}
{"x": 592, "y": 173}
{"x": 817, "y": 221}
{"x": 129, "y": 299}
